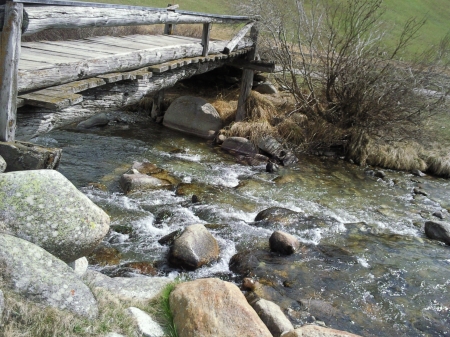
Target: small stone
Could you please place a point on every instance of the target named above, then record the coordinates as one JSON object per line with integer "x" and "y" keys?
{"x": 249, "y": 283}
{"x": 283, "y": 243}
{"x": 2, "y": 165}
{"x": 146, "y": 325}
{"x": 419, "y": 191}
{"x": 438, "y": 230}
{"x": 195, "y": 199}
{"x": 271, "y": 167}
{"x": 170, "y": 238}
{"x": 418, "y": 173}
{"x": 369, "y": 173}
{"x": 439, "y": 215}
{"x": 380, "y": 174}
{"x": 272, "y": 316}
{"x": 221, "y": 139}
{"x": 79, "y": 266}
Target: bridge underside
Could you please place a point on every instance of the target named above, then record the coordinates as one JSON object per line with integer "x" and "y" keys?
{"x": 54, "y": 74}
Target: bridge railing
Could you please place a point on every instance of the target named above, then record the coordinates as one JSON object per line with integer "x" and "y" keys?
{"x": 25, "y": 17}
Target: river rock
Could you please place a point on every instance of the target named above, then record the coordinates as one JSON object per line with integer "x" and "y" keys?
{"x": 239, "y": 145}
{"x": 272, "y": 316}
{"x": 318, "y": 331}
{"x": 79, "y": 266}
{"x": 142, "y": 288}
{"x": 438, "y": 230}
{"x": 418, "y": 173}
{"x": 193, "y": 115}
{"x": 146, "y": 325}
{"x": 2, "y": 303}
{"x": 194, "y": 248}
{"x": 276, "y": 214}
{"x": 20, "y": 156}
{"x": 222, "y": 311}
{"x": 44, "y": 207}
{"x": 284, "y": 243}
{"x": 39, "y": 276}
{"x": 141, "y": 182}
{"x": 2, "y": 165}
{"x": 266, "y": 88}
{"x": 97, "y": 120}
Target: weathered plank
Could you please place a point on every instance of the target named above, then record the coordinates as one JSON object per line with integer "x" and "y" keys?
{"x": 46, "y": 17}
{"x": 81, "y": 85}
{"x": 32, "y": 54}
{"x": 52, "y": 75}
{"x": 54, "y": 100}
{"x": 9, "y": 63}
{"x": 247, "y": 78}
{"x": 63, "y": 50}
{"x": 267, "y": 67}
{"x": 30, "y": 65}
{"x": 238, "y": 37}
{"x": 75, "y": 45}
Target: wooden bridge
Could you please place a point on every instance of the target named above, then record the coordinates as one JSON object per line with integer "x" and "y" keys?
{"x": 54, "y": 74}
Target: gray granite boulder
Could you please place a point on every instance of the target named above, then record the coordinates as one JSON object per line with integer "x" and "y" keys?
{"x": 44, "y": 207}
{"x": 147, "y": 326}
{"x": 438, "y": 230}
{"x": 212, "y": 307}
{"x": 141, "y": 288}
{"x": 141, "y": 182}
{"x": 194, "y": 248}
{"x": 21, "y": 156}
{"x": 2, "y": 165}
{"x": 33, "y": 272}
{"x": 193, "y": 115}
{"x": 273, "y": 317}
{"x": 284, "y": 243}
{"x": 240, "y": 145}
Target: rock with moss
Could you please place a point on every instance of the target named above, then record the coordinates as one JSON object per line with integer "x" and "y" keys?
{"x": 28, "y": 156}
{"x": 212, "y": 307}
{"x": 33, "y": 272}
{"x": 186, "y": 109}
{"x": 2, "y": 165}
{"x": 44, "y": 207}
{"x": 194, "y": 248}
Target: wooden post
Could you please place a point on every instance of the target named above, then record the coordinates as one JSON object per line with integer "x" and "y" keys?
{"x": 9, "y": 64}
{"x": 157, "y": 102}
{"x": 168, "y": 28}
{"x": 205, "y": 38}
{"x": 247, "y": 78}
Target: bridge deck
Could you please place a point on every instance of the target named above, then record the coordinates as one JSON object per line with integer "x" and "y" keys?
{"x": 51, "y": 73}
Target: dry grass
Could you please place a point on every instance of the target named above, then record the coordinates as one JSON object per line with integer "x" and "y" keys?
{"x": 438, "y": 161}
{"x": 226, "y": 110}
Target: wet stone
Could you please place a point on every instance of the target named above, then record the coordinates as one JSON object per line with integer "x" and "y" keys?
{"x": 438, "y": 230}
{"x": 104, "y": 256}
{"x": 283, "y": 243}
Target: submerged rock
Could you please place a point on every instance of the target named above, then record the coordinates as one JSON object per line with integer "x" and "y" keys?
{"x": 418, "y": 173}
{"x": 194, "y": 248}
{"x": 283, "y": 243}
{"x": 438, "y": 230}
{"x": 276, "y": 214}
{"x": 318, "y": 331}
{"x": 20, "y": 156}
{"x": 104, "y": 256}
{"x": 240, "y": 145}
{"x": 141, "y": 182}
{"x": 43, "y": 207}
{"x": 272, "y": 316}
{"x": 97, "y": 120}
{"x": 186, "y": 109}
{"x": 39, "y": 276}
{"x": 222, "y": 311}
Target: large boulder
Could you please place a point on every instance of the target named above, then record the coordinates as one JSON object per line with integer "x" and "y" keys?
{"x": 193, "y": 115}
{"x": 44, "y": 207}
{"x": 194, "y": 248}
{"x": 212, "y": 307}
{"x": 240, "y": 145}
{"x": 142, "y": 288}
{"x": 284, "y": 243}
{"x": 318, "y": 331}
{"x": 438, "y": 230}
{"x": 21, "y": 156}
{"x": 39, "y": 276}
{"x": 273, "y": 317}
{"x": 2, "y": 165}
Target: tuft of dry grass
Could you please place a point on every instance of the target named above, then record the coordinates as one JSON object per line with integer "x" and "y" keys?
{"x": 438, "y": 161}
{"x": 226, "y": 110}
{"x": 260, "y": 108}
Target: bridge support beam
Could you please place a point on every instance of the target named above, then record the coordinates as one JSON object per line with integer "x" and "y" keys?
{"x": 247, "y": 78}
{"x": 9, "y": 64}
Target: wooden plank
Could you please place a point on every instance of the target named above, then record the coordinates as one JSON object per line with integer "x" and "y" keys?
{"x": 79, "y": 86}
{"x": 267, "y": 67}
{"x": 58, "y": 17}
{"x": 20, "y": 102}
{"x": 9, "y": 63}
{"x": 205, "y": 38}
{"x": 159, "y": 40}
{"x": 32, "y": 54}
{"x": 53, "y": 102}
{"x": 30, "y": 65}
{"x": 66, "y": 51}
{"x": 112, "y": 78}
{"x": 122, "y": 42}
{"x": 76, "y": 45}
{"x": 247, "y": 78}
{"x": 159, "y": 68}
{"x": 238, "y": 37}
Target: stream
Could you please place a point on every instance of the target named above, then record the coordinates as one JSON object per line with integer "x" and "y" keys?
{"x": 365, "y": 265}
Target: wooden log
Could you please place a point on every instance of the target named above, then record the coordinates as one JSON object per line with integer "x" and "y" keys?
{"x": 267, "y": 67}
{"x": 45, "y": 17}
{"x": 33, "y": 79}
{"x": 9, "y": 63}
{"x": 247, "y": 78}
{"x": 205, "y": 38}
{"x": 238, "y": 37}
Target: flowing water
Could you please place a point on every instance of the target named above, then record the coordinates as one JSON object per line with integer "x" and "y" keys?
{"x": 366, "y": 268}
